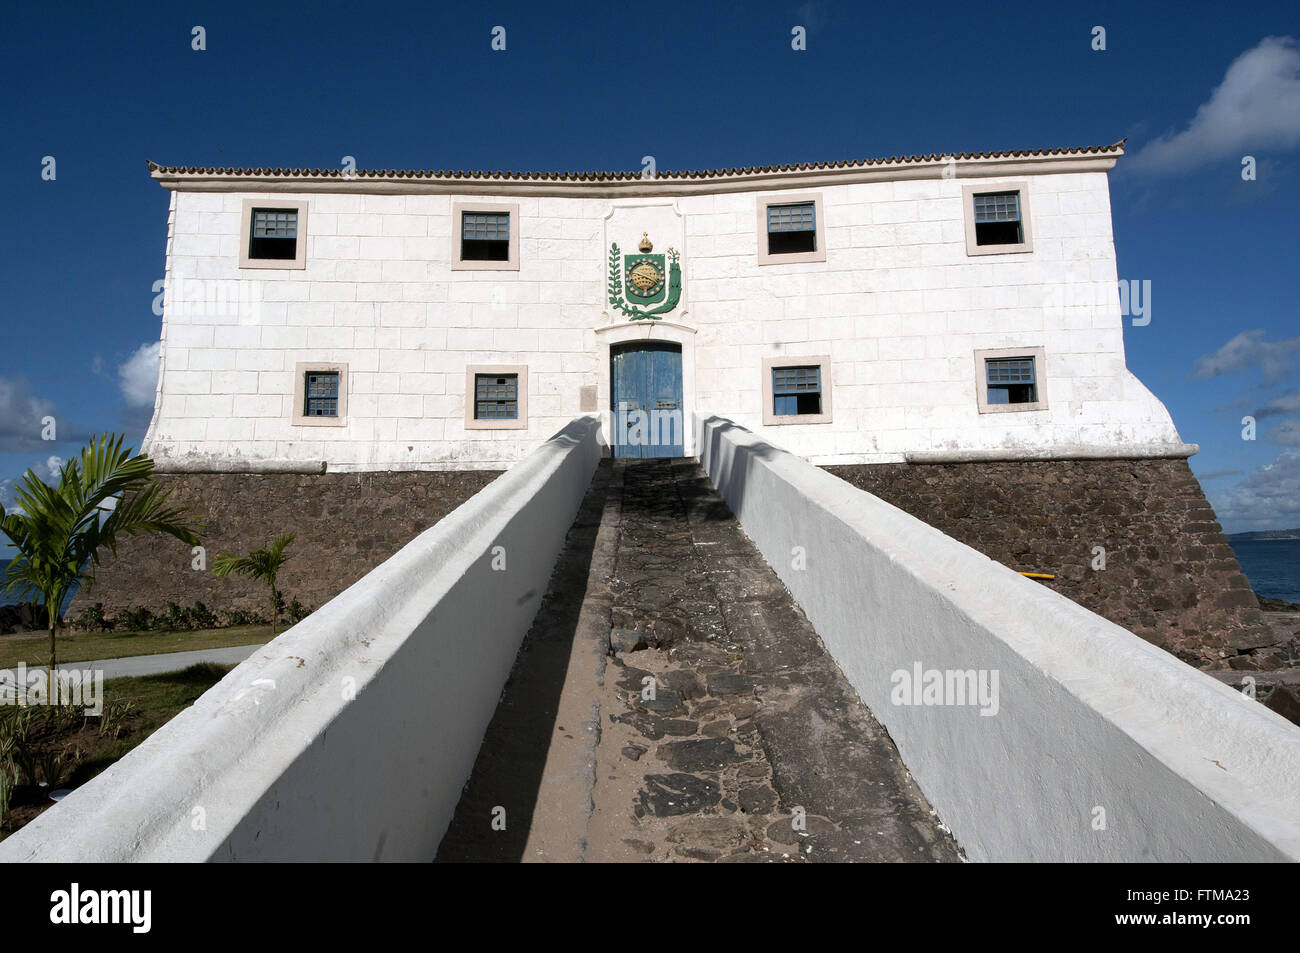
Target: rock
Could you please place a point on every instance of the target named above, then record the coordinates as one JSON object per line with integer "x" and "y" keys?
{"x": 625, "y": 640}
{"x": 709, "y": 754}
{"x": 634, "y": 752}
{"x": 633, "y": 679}
{"x": 1284, "y": 701}
{"x": 757, "y": 799}
{"x": 717, "y": 729}
{"x": 670, "y": 795}
{"x": 685, "y": 683}
{"x": 665, "y": 702}
{"x": 655, "y": 727}
{"x": 730, "y": 685}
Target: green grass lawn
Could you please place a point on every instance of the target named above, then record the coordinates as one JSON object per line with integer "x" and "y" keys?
{"x": 33, "y": 648}
{"x": 134, "y": 707}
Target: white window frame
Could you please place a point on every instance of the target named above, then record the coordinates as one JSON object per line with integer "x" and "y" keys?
{"x": 818, "y": 254}
{"x": 773, "y": 419}
{"x": 299, "y": 260}
{"x": 301, "y": 370}
{"x": 472, "y": 422}
{"x": 982, "y": 379}
{"x": 457, "y": 230}
{"x": 968, "y": 193}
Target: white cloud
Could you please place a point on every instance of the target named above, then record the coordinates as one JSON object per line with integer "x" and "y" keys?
{"x": 139, "y": 375}
{"x": 52, "y": 467}
{"x": 21, "y": 414}
{"x": 97, "y": 364}
{"x": 1286, "y": 404}
{"x": 1249, "y": 350}
{"x": 1287, "y": 434}
{"x": 1269, "y": 498}
{"x": 1256, "y": 107}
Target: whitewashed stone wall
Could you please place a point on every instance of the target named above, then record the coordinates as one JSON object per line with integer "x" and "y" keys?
{"x": 898, "y": 305}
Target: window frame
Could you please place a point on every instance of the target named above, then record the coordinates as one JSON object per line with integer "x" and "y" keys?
{"x": 299, "y": 261}
{"x": 518, "y": 423}
{"x": 968, "y": 193}
{"x": 1039, "y": 356}
{"x": 301, "y": 370}
{"x": 823, "y": 363}
{"x": 458, "y": 209}
{"x": 819, "y": 221}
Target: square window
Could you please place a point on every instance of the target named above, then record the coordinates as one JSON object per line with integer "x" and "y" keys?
{"x": 791, "y": 228}
{"x": 322, "y": 394}
{"x": 1010, "y": 379}
{"x": 796, "y": 390}
{"x": 496, "y": 396}
{"x": 273, "y": 234}
{"x": 485, "y": 236}
{"x": 997, "y": 219}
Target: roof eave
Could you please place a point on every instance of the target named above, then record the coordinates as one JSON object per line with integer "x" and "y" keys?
{"x": 604, "y": 185}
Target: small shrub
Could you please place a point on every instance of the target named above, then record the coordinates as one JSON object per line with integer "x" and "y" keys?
{"x": 233, "y": 617}
{"x": 92, "y": 619}
{"x": 297, "y": 611}
{"x": 201, "y": 617}
{"x": 137, "y": 620}
{"x": 177, "y": 619}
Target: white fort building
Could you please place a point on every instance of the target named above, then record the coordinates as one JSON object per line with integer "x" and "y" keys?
{"x": 922, "y": 308}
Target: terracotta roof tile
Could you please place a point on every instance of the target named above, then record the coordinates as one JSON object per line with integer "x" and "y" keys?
{"x": 172, "y": 170}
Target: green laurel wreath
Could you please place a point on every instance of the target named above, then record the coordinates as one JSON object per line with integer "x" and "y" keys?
{"x": 619, "y": 303}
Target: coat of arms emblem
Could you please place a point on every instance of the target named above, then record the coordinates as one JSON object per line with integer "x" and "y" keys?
{"x": 637, "y": 282}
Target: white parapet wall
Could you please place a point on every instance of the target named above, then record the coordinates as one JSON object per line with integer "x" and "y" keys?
{"x": 351, "y": 736}
{"x": 1088, "y": 743}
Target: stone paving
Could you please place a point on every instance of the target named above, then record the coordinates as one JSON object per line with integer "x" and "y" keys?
{"x": 706, "y": 721}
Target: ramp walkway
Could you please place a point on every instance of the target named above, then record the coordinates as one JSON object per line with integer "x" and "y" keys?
{"x": 716, "y": 729}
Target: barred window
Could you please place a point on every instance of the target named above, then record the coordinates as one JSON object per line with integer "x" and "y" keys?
{"x": 997, "y": 219}
{"x": 1011, "y": 380}
{"x": 274, "y": 234}
{"x": 322, "y": 394}
{"x": 496, "y": 396}
{"x": 791, "y": 228}
{"x": 485, "y": 236}
{"x": 797, "y": 390}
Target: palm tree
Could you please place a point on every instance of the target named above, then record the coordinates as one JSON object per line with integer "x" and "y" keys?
{"x": 59, "y": 530}
{"x": 261, "y": 564}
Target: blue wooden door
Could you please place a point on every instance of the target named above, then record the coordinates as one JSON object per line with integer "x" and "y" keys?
{"x": 646, "y": 391}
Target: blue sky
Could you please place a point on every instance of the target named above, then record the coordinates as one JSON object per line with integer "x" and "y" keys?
{"x": 1194, "y": 87}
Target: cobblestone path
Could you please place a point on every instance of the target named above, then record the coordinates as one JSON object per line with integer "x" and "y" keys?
{"x": 716, "y": 727}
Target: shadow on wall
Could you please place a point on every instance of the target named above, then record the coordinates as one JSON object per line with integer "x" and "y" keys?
{"x": 733, "y": 473}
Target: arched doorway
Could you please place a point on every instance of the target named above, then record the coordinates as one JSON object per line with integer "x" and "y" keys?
{"x": 646, "y": 399}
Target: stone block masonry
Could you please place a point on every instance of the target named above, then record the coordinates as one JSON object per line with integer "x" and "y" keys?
{"x": 1170, "y": 575}
{"x": 347, "y": 524}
